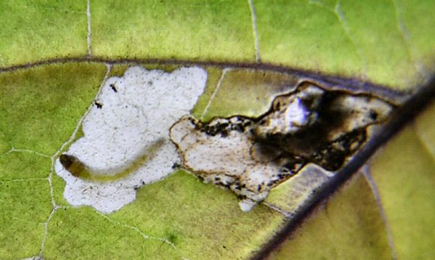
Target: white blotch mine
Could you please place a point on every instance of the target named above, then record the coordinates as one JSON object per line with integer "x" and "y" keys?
{"x": 132, "y": 114}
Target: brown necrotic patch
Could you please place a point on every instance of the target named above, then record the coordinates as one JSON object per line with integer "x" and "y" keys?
{"x": 332, "y": 127}
{"x": 251, "y": 155}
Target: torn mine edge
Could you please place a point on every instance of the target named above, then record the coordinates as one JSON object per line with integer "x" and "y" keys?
{"x": 250, "y": 156}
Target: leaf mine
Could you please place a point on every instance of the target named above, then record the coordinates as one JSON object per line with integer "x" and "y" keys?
{"x": 252, "y": 155}
{"x": 125, "y": 143}
{"x": 140, "y": 126}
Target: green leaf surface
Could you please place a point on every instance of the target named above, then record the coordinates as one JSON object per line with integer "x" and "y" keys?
{"x": 40, "y": 30}
{"x": 41, "y": 106}
{"x": 25, "y": 206}
{"x": 194, "y": 30}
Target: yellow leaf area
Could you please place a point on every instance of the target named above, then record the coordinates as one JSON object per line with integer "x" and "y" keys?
{"x": 405, "y": 175}
{"x": 386, "y": 42}
{"x": 388, "y": 215}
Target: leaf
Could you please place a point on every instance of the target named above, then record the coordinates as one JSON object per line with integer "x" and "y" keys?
{"x": 47, "y": 85}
